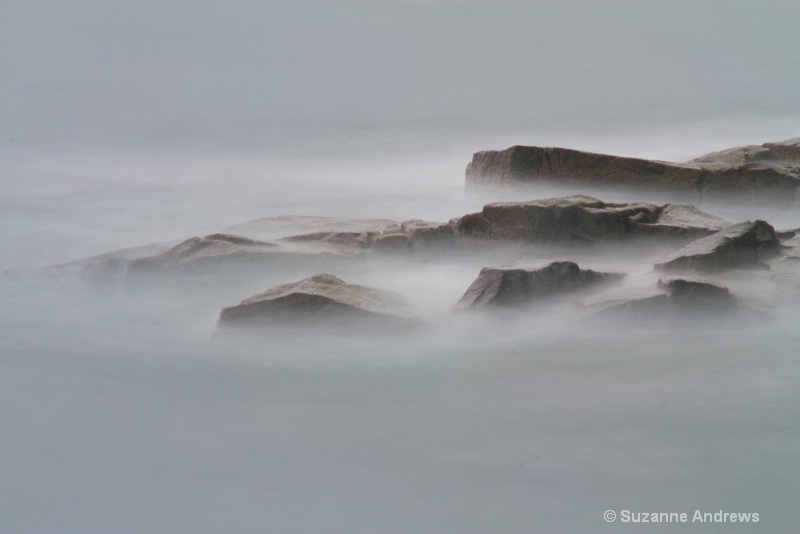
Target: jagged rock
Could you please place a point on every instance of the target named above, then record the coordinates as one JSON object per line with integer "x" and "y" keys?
{"x": 584, "y": 219}
{"x": 695, "y": 293}
{"x": 713, "y": 176}
{"x": 527, "y": 282}
{"x": 741, "y": 245}
{"x": 323, "y": 297}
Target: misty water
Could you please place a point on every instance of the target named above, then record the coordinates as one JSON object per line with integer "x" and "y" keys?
{"x": 125, "y": 124}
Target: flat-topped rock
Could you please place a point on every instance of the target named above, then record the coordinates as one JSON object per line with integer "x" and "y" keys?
{"x": 527, "y": 282}
{"x": 585, "y": 219}
{"x": 745, "y": 244}
{"x": 770, "y": 173}
{"x": 320, "y": 298}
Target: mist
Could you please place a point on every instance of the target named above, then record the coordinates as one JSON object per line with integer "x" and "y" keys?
{"x": 124, "y": 409}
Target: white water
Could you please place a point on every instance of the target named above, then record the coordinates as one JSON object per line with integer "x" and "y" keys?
{"x": 128, "y": 123}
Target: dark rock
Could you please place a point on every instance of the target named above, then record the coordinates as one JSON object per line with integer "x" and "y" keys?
{"x": 324, "y": 298}
{"x": 525, "y": 283}
{"x": 584, "y": 219}
{"x": 713, "y": 176}
{"x": 697, "y": 294}
{"x": 741, "y": 245}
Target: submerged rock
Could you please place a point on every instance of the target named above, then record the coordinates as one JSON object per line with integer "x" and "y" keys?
{"x": 524, "y": 283}
{"x": 741, "y": 245}
{"x": 324, "y": 298}
{"x": 771, "y": 173}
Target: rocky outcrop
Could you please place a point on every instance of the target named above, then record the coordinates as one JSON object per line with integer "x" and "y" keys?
{"x": 321, "y": 298}
{"x": 771, "y": 173}
{"x": 584, "y": 219}
{"x": 524, "y": 283}
{"x": 745, "y": 244}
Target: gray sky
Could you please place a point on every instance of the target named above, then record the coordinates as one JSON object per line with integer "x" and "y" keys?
{"x": 154, "y": 72}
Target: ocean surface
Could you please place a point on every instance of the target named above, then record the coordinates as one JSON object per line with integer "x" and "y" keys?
{"x": 130, "y": 123}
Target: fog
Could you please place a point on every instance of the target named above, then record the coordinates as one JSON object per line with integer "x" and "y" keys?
{"x": 124, "y": 410}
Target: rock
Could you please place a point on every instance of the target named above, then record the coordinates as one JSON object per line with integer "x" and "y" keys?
{"x": 274, "y": 228}
{"x": 784, "y": 153}
{"x": 524, "y": 283}
{"x": 217, "y": 251}
{"x": 111, "y": 265}
{"x": 424, "y": 235}
{"x": 324, "y": 298}
{"x": 741, "y": 245}
{"x": 628, "y": 302}
{"x": 713, "y": 176}
{"x": 349, "y": 239}
{"x": 695, "y": 293}
{"x": 584, "y": 219}
{"x": 681, "y": 221}
{"x": 786, "y": 269}
{"x": 672, "y": 297}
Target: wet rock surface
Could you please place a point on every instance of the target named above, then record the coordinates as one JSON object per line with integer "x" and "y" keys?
{"x": 527, "y": 282}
